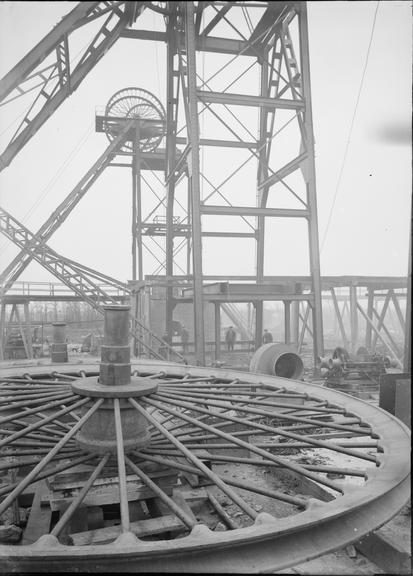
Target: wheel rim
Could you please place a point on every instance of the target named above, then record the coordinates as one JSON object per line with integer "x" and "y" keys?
{"x": 386, "y": 488}
{"x": 137, "y": 103}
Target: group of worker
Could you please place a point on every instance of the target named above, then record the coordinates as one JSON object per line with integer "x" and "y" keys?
{"x": 230, "y": 338}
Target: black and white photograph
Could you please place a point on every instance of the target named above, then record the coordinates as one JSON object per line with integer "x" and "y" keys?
{"x": 205, "y": 287}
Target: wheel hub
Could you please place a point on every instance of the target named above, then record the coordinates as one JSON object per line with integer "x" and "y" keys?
{"x": 98, "y": 435}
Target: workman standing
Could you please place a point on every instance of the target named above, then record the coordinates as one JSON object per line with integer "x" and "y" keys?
{"x": 230, "y": 337}
{"x": 184, "y": 339}
{"x": 266, "y": 337}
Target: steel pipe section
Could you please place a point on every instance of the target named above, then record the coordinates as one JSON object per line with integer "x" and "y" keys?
{"x": 270, "y": 543}
{"x": 279, "y": 360}
{"x": 58, "y": 349}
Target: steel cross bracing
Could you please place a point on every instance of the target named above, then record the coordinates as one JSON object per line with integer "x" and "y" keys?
{"x": 284, "y": 87}
{"x": 59, "y": 215}
{"x": 82, "y": 280}
{"x": 46, "y": 69}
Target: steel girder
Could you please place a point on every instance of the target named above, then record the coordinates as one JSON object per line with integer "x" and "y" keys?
{"x": 56, "y": 81}
{"x": 59, "y": 215}
{"x": 82, "y": 280}
{"x": 72, "y": 274}
{"x": 271, "y": 45}
{"x": 186, "y": 35}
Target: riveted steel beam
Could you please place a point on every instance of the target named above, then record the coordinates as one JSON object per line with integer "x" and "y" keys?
{"x": 253, "y": 211}
{"x": 249, "y": 100}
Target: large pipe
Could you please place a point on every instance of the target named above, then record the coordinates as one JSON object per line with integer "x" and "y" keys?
{"x": 100, "y": 434}
{"x": 115, "y": 366}
{"x": 58, "y": 349}
{"x": 279, "y": 360}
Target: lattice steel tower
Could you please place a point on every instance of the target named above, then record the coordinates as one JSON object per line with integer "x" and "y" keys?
{"x": 238, "y": 112}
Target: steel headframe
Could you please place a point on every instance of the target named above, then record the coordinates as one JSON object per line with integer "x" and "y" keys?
{"x": 284, "y": 85}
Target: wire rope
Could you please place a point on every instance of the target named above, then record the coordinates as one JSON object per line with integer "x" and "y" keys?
{"x": 343, "y": 163}
{"x": 55, "y": 177}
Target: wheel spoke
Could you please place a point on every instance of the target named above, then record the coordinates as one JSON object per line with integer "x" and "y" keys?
{"x": 29, "y": 411}
{"x": 161, "y": 494}
{"x": 26, "y": 481}
{"x": 252, "y": 448}
{"x": 292, "y": 435}
{"x": 123, "y": 491}
{"x": 29, "y": 461}
{"x": 273, "y": 414}
{"x": 197, "y": 462}
{"x": 31, "y": 427}
{"x": 80, "y": 497}
{"x": 231, "y": 481}
{"x": 65, "y": 395}
{"x": 237, "y": 397}
{"x": 48, "y": 472}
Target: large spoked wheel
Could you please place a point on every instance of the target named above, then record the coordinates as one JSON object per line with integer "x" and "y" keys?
{"x": 232, "y": 433}
{"x": 137, "y": 103}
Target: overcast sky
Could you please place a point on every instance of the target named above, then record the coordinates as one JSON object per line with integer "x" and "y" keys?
{"x": 369, "y": 226}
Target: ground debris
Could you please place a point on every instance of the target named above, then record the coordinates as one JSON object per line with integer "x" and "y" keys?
{"x": 351, "y": 551}
{"x": 220, "y": 527}
{"x": 10, "y": 533}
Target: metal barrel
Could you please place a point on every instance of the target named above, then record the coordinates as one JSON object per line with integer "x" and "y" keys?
{"x": 279, "y": 360}
{"x": 58, "y": 349}
{"x": 115, "y": 366}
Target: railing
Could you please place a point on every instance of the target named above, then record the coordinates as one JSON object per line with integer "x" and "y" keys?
{"x": 30, "y": 288}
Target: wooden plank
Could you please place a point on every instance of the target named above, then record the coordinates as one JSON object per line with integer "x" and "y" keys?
{"x": 104, "y": 494}
{"x": 140, "y": 528}
{"x": 386, "y": 552}
{"x": 195, "y": 480}
{"x": 179, "y": 498}
{"x": 39, "y": 517}
{"x": 192, "y": 495}
{"x": 77, "y": 478}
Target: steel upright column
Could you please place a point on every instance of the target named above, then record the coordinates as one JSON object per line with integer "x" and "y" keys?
{"x": 408, "y": 326}
{"x": 171, "y": 116}
{"x": 317, "y": 313}
{"x": 194, "y": 178}
{"x": 295, "y": 315}
{"x": 262, "y": 198}
{"x": 287, "y": 322}
{"x": 353, "y": 318}
{"x": 339, "y": 318}
{"x": 136, "y": 208}
{"x": 370, "y": 306}
{"x": 217, "y": 330}
{"x": 3, "y": 329}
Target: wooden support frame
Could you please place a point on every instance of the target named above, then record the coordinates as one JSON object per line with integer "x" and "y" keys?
{"x": 381, "y": 318}
{"x": 339, "y": 319}
{"x": 399, "y": 313}
{"x": 287, "y": 322}
{"x": 304, "y": 327}
{"x": 389, "y": 348}
{"x": 354, "y": 329}
{"x": 370, "y": 308}
{"x": 217, "y": 331}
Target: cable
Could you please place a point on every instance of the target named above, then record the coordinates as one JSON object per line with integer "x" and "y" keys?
{"x": 350, "y": 131}
{"x": 54, "y": 179}
{"x": 59, "y": 172}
